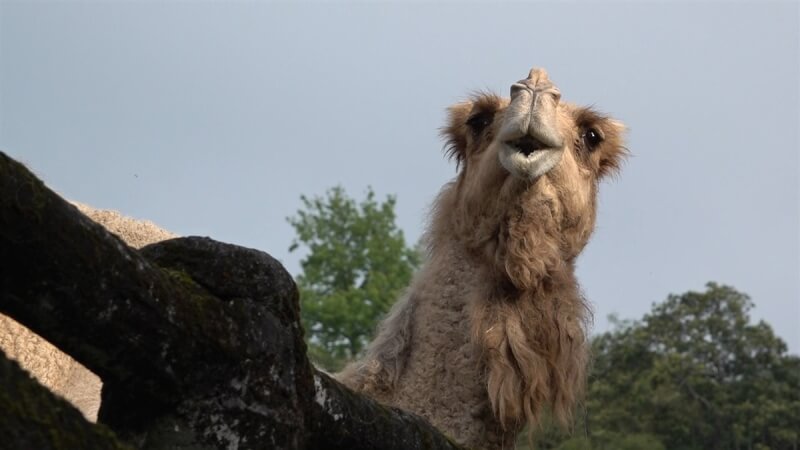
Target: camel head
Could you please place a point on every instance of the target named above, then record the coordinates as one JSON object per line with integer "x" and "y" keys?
{"x": 530, "y": 134}
{"x": 532, "y": 155}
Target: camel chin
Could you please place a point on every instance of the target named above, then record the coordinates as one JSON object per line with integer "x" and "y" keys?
{"x": 528, "y": 167}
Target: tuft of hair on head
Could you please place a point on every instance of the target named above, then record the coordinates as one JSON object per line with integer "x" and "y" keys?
{"x": 465, "y": 121}
{"x": 611, "y": 153}
{"x": 454, "y": 133}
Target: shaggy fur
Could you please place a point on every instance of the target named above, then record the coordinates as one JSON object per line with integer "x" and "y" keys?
{"x": 50, "y": 366}
{"x": 492, "y": 330}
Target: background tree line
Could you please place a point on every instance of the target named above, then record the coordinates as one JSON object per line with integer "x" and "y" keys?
{"x": 693, "y": 374}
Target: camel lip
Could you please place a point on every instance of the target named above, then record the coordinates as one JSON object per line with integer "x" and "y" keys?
{"x": 528, "y": 166}
{"x": 526, "y": 145}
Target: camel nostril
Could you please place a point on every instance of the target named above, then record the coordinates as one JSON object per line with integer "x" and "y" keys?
{"x": 516, "y": 88}
{"x": 555, "y": 93}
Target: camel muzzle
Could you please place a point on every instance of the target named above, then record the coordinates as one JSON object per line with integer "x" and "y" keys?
{"x": 531, "y": 143}
{"x": 531, "y": 118}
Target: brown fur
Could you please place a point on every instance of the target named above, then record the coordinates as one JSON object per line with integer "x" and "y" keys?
{"x": 493, "y": 329}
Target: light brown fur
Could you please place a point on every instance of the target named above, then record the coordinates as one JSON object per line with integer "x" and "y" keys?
{"x": 493, "y": 328}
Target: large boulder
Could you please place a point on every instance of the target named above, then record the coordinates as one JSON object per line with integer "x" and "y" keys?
{"x": 198, "y": 343}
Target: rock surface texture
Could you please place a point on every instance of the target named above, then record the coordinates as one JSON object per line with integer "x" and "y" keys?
{"x": 50, "y": 366}
{"x": 198, "y": 343}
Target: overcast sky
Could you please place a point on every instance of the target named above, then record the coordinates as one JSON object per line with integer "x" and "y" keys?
{"x": 212, "y": 119}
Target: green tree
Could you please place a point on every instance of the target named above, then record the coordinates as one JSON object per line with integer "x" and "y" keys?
{"x": 356, "y": 267}
{"x": 696, "y": 374}
{"x": 693, "y": 374}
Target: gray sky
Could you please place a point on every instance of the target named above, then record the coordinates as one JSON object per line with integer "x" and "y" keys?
{"x": 213, "y": 118}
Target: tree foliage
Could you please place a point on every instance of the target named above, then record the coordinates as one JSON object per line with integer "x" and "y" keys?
{"x": 693, "y": 374}
{"x": 356, "y": 267}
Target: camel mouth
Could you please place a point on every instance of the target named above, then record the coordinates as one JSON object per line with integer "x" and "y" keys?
{"x": 528, "y": 158}
{"x": 526, "y": 145}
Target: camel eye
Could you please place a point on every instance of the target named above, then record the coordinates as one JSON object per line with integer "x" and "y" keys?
{"x": 592, "y": 138}
{"x": 479, "y": 121}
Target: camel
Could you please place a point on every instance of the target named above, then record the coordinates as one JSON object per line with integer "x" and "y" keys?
{"x": 492, "y": 331}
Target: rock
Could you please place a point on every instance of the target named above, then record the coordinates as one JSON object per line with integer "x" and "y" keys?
{"x": 198, "y": 342}
{"x": 33, "y": 418}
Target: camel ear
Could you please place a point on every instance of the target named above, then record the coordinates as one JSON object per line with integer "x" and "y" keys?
{"x": 613, "y": 152}
{"x": 455, "y": 132}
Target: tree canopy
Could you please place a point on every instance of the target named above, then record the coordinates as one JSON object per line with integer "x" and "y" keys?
{"x": 693, "y": 374}
{"x": 357, "y": 265}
